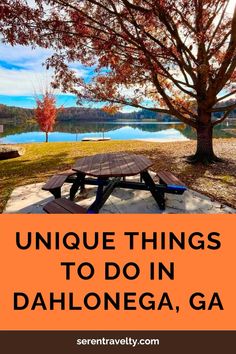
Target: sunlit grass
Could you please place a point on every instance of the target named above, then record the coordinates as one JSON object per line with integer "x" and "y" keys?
{"x": 42, "y": 160}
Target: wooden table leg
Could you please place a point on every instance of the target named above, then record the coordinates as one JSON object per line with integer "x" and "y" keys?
{"x": 56, "y": 192}
{"x": 78, "y": 183}
{"x": 103, "y": 194}
{"x": 157, "y": 193}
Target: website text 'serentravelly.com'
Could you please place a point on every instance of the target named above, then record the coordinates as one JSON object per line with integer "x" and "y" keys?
{"x": 127, "y": 341}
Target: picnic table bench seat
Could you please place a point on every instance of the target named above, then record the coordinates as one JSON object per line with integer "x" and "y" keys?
{"x": 55, "y": 183}
{"x": 107, "y": 172}
{"x": 63, "y": 206}
{"x": 171, "y": 181}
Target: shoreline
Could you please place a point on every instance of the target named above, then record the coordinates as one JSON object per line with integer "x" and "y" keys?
{"x": 147, "y": 140}
{"x": 153, "y": 140}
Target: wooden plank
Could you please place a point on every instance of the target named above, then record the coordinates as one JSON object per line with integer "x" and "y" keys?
{"x": 124, "y": 164}
{"x": 95, "y": 139}
{"x": 63, "y": 206}
{"x": 80, "y": 164}
{"x": 69, "y": 172}
{"x": 103, "y": 166}
{"x": 127, "y": 165}
{"x": 55, "y": 181}
{"x": 116, "y": 165}
{"x": 147, "y": 163}
{"x": 86, "y": 164}
{"x": 52, "y": 208}
{"x": 70, "y": 206}
{"x": 168, "y": 178}
{"x": 142, "y": 162}
{"x": 90, "y": 163}
{"x": 131, "y": 167}
{"x": 112, "y": 165}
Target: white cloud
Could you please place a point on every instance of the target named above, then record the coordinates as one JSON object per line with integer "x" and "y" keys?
{"x": 22, "y": 72}
{"x": 21, "y": 82}
{"x": 23, "y": 56}
{"x": 30, "y": 75}
{"x": 231, "y": 6}
{"x": 25, "y": 82}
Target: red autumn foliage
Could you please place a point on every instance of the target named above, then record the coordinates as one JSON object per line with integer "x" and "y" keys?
{"x": 111, "y": 109}
{"x": 180, "y": 55}
{"x": 46, "y": 113}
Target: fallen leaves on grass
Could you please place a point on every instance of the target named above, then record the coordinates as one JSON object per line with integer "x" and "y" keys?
{"x": 41, "y": 161}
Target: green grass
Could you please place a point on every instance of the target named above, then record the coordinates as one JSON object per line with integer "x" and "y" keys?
{"x": 42, "y": 160}
{"x": 227, "y": 179}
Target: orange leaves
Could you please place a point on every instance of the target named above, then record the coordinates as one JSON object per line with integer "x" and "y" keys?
{"x": 219, "y": 56}
{"x": 46, "y": 112}
{"x": 114, "y": 60}
{"x": 174, "y": 52}
{"x": 184, "y": 105}
{"x": 111, "y": 109}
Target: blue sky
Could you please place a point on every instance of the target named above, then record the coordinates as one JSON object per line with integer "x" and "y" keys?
{"x": 29, "y": 101}
{"x": 22, "y": 75}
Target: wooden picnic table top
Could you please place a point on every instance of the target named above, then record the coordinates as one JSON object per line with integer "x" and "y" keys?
{"x": 119, "y": 164}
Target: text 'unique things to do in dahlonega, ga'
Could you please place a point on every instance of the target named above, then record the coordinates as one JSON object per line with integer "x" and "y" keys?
{"x": 138, "y": 243}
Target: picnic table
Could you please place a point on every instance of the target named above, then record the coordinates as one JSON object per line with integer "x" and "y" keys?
{"x": 107, "y": 172}
{"x": 110, "y": 171}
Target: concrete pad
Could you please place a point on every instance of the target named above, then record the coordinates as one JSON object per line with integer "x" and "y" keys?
{"x": 30, "y": 199}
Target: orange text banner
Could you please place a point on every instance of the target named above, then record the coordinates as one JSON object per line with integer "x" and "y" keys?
{"x": 117, "y": 272}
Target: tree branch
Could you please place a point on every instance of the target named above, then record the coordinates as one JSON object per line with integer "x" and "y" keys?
{"x": 223, "y": 109}
{"x": 225, "y": 96}
{"x": 218, "y": 121}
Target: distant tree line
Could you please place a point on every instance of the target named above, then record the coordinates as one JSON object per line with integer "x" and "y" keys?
{"x": 9, "y": 112}
{"x": 75, "y": 113}
{"x": 91, "y": 114}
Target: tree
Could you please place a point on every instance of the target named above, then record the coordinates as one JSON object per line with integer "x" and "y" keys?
{"x": 173, "y": 57}
{"x": 46, "y": 113}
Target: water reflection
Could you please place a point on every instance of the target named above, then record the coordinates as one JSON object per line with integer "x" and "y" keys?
{"x": 76, "y": 131}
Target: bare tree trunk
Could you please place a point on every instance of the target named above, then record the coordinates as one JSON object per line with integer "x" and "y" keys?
{"x": 205, "y": 152}
{"x": 46, "y": 137}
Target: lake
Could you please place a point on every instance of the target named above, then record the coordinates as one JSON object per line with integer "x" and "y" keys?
{"x": 76, "y": 131}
